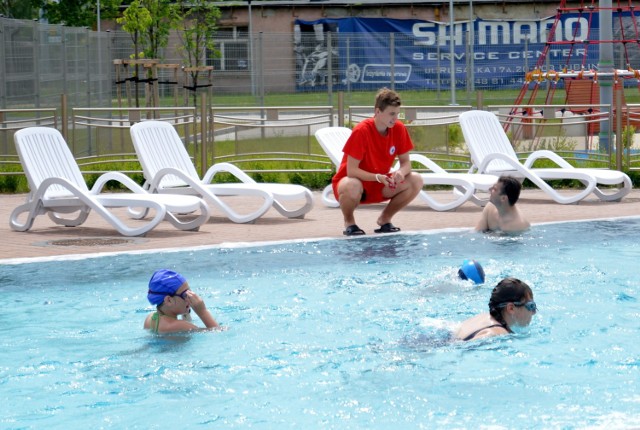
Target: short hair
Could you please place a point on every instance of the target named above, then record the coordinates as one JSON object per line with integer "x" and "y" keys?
{"x": 507, "y": 291}
{"x": 511, "y": 188}
{"x": 386, "y": 97}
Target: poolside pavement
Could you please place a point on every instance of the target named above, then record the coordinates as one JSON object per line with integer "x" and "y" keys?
{"x": 46, "y": 239}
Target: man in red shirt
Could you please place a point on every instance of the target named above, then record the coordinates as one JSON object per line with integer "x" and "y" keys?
{"x": 365, "y": 175}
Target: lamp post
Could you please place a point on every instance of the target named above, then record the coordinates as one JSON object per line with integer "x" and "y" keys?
{"x": 452, "y": 60}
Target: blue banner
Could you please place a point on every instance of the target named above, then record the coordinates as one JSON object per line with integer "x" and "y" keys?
{"x": 365, "y": 53}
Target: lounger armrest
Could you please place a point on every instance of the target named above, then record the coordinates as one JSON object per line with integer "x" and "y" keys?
{"x": 157, "y": 179}
{"x": 549, "y": 155}
{"x": 44, "y": 185}
{"x": 118, "y": 177}
{"x": 227, "y": 168}
{"x": 426, "y": 162}
{"x": 498, "y": 156}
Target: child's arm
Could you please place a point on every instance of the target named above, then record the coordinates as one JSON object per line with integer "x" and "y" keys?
{"x": 198, "y": 306}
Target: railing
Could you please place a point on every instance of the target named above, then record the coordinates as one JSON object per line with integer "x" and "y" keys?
{"x": 434, "y": 130}
{"x": 629, "y": 133}
{"x": 12, "y": 120}
{"x": 101, "y": 135}
{"x": 269, "y": 136}
{"x": 280, "y": 139}
{"x": 580, "y": 133}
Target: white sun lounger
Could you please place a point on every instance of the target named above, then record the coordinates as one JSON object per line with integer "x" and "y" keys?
{"x": 492, "y": 152}
{"x": 168, "y": 169}
{"x": 58, "y": 188}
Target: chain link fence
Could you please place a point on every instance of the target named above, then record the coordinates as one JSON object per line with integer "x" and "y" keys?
{"x": 42, "y": 63}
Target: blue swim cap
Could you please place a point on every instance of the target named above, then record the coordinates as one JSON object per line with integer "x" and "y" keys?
{"x": 471, "y": 269}
{"x": 163, "y": 283}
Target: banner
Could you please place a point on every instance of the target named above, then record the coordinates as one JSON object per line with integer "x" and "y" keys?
{"x": 365, "y": 53}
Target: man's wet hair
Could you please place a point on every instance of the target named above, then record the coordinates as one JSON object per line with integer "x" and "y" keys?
{"x": 511, "y": 188}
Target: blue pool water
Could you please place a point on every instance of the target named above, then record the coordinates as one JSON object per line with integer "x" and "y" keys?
{"x": 341, "y": 334}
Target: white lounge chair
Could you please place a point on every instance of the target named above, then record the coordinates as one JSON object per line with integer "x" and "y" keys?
{"x": 333, "y": 139}
{"x": 57, "y": 188}
{"x": 492, "y": 152}
{"x": 168, "y": 169}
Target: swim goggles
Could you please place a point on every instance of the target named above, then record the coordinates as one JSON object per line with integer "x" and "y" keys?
{"x": 530, "y": 305}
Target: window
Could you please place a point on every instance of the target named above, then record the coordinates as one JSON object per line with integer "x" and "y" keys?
{"x": 232, "y": 50}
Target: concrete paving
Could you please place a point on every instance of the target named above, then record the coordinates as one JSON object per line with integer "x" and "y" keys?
{"x": 46, "y": 239}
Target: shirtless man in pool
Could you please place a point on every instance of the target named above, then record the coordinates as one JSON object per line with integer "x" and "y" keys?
{"x": 501, "y": 213}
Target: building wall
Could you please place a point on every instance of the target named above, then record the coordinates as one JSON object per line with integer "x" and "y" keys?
{"x": 273, "y": 42}
{"x": 276, "y": 25}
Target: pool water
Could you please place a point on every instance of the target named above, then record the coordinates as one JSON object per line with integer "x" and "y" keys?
{"x": 341, "y": 334}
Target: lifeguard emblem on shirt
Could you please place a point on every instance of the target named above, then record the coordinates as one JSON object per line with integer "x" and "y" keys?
{"x": 392, "y": 150}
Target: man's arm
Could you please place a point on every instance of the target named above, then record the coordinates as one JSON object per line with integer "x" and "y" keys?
{"x": 354, "y": 171}
{"x": 483, "y": 223}
{"x": 405, "y": 166}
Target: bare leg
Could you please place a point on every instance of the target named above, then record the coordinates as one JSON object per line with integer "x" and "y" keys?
{"x": 349, "y": 195}
{"x": 404, "y": 194}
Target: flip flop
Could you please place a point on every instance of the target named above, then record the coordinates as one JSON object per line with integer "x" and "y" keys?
{"x": 353, "y": 230}
{"x": 387, "y": 228}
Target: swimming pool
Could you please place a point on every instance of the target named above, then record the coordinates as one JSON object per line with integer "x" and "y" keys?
{"x": 343, "y": 334}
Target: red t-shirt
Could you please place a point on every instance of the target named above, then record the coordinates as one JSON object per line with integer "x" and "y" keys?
{"x": 376, "y": 153}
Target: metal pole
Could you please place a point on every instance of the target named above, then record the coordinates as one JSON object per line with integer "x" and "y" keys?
{"x": 3, "y": 65}
{"x": 452, "y": 60}
{"x": 606, "y": 65}
{"x": 253, "y": 84}
{"x": 472, "y": 40}
{"x": 100, "y": 78}
{"x": 392, "y": 57}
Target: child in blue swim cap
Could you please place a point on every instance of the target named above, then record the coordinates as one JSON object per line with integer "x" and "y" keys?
{"x": 171, "y": 294}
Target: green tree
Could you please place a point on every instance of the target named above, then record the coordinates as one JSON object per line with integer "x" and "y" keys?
{"x": 149, "y": 23}
{"x": 163, "y": 19}
{"x": 21, "y": 9}
{"x": 198, "y": 26}
{"x": 135, "y": 20}
{"x": 79, "y": 13}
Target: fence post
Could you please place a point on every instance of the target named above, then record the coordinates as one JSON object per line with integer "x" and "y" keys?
{"x": 340, "y": 110}
{"x": 619, "y": 143}
{"x": 203, "y": 134}
{"x": 261, "y": 68}
{"x": 3, "y": 65}
{"x": 392, "y": 59}
{"x": 88, "y": 65}
{"x": 330, "y": 67}
{"x": 63, "y": 33}
{"x": 36, "y": 63}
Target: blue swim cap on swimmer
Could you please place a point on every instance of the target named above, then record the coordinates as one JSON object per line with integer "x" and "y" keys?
{"x": 163, "y": 283}
{"x": 471, "y": 269}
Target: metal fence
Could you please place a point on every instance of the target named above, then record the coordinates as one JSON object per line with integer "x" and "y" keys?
{"x": 40, "y": 62}
{"x": 262, "y": 108}
{"x": 280, "y": 139}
